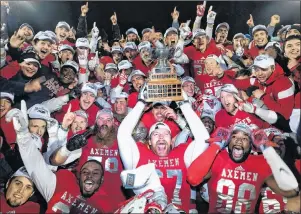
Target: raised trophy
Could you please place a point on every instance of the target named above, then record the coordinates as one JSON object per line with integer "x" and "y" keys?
{"x": 163, "y": 84}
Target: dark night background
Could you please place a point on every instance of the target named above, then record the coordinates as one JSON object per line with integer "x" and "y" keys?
{"x": 45, "y": 15}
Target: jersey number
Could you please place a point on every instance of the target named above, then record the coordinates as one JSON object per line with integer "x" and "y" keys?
{"x": 170, "y": 174}
{"x": 228, "y": 197}
{"x": 110, "y": 165}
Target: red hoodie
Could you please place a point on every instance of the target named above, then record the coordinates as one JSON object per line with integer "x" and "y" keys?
{"x": 279, "y": 91}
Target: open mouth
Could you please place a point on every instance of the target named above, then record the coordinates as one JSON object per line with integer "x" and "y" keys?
{"x": 237, "y": 152}
{"x": 161, "y": 146}
{"x": 88, "y": 185}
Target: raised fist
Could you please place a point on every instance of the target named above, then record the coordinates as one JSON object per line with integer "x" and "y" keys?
{"x": 250, "y": 21}
{"x": 114, "y": 19}
{"x": 84, "y": 9}
{"x": 79, "y": 140}
{"x": 175, "y": 14}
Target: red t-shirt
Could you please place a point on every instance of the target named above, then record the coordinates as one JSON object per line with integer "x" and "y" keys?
{"x": 224, "y": 119}
{"x": 172, "y": 172}
{"x": 28, "y": 207}
{"x": 148, "y": 120}
{"x": 271, "y": 202}
{"x": 110, "y": 159}
{"x": 92, "y": 111}
{"x": 236, "y": 186}
{"x": 67, "y": 197}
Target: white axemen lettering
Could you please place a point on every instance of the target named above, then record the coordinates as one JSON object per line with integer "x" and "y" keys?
{"x": 239, "y": 175}
{"x": 77, "y": 203}
{"x": 213, "y": 83}
{"x": 225, "y": 201}
{"x": 104, "y": 152}
{"x": 171, "y": 162}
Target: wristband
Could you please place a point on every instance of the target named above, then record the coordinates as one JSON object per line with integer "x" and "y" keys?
{"x": 82, "y": 70}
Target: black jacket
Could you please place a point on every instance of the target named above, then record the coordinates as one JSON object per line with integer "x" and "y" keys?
{"x": 49, "y": 88}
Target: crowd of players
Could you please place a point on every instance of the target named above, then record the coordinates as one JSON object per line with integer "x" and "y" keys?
{"x": 78, "y": 136}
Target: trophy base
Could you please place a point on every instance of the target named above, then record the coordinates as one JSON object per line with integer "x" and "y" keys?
{"x": 166, "y": 90}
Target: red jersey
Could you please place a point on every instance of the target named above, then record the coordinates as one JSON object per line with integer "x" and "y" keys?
{"x": 209, "y": 84}
{"x": 226, "y": 120}
{"x": 271, "y": 202}
{"x": 28, "y": 207}
{"x": 67, "y": 197}
{"x": 148, "y": 120}
{"x": 110, "y": 159}
{"x": 172, "y": 172}
{"x": 235, "y": 187}
{"x": 92, "y": 111}
{"x": 198, "y": 59}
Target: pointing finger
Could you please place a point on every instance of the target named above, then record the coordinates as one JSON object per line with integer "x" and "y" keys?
{"x": 69, "y": 108}
{"x": 251, "y": 17}
{"x": 115, "y": 14}
{"x": 204, "y": 4}
{"x": 175, "y": 9}
{"x": 210, "y": 9}
{"x": 94, "y": 24}
{"x": 87, "y": 4}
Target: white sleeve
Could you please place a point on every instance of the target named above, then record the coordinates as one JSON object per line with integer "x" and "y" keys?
{"x": 83, "y": 78}
{"x": 179, "y": 70}
{"x": 179, "y": 49}
{"x": 52, "y": 147}
{"x": 128, "y": 149}
{"x": 197, "y": 23}
{"x": 183, "y": 59}
{"x": 93, "y": 44}
{"x": 200, "y": 133}
{"x": 103, "y": 103}
{"x": 38, "y": 170}
{"x": 284, "y": 177}
{"x": 56, "y": 103}
{"x": 295, "y": 120}
{"x": 209, "y": 31}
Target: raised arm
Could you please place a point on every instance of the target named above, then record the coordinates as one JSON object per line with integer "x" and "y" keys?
{"x": 127, "y": 146}
{"x": 82, "y": 22}
{"x": 198, "y": 146}
{"x": 210, "y": 22}
{"x": 33, "y": 160}
{"x": 115, "y": 27}
{"x": 200, "y": 10}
